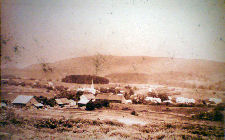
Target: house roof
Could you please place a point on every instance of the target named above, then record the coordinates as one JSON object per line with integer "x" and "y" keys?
{"x": 38, "y": 105}
{"x": 62, "y": 101}
{"x": 72, "y": 102}
{"x": 83, "y": 101}
{"x": 89, "y": 96}
{"x": 58, "y": 101}
{"x": 22, "y": 99}
{"x": 110, "y": 97}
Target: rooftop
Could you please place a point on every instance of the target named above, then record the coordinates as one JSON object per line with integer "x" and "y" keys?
{"x": 109, "y": 97}
{"x": 22, "y": 99}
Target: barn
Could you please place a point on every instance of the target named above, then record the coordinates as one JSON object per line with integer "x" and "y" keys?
{"x": 62, "y": 101}
{"x": 111, "y": 98}
{"x": 24, "y": 100}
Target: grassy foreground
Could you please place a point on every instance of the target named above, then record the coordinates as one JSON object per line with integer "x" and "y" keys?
{"x": 16, "y": 127}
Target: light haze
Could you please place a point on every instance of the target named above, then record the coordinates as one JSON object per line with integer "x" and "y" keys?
{"x": 55, "y": 30}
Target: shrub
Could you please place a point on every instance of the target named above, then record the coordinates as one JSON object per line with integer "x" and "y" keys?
{"x": 167, "y": 109}
{"x": 205, "y": 130}
{"x": 220, "y": 107}
{"x": 78, "y": 94}
{"x": 105, "y": 129}
{"x": 125, "y": 108}
{"x": 152, "y": 94}
{"x": 45, "y": 101}
{"x": 50, "y": 123}
{"x": 160, "y": 136}
{"x": 135, "y": 88}
{"x": 8, "y": 116}
{"x": 51, "y": 102}
{"x": 120, "y": 134}
{"x": 185, "y": 105}
{"x": 100, "y": 104}
{"x": 90, "y": 106}
{"x": 105, "y": 103}
{"x": 134, "y": 113}
{"x": 217, "y": 115}
{"x": 113, "y": 123}
{"x": 61, "y": 88}
{"x": 163, "y": 96}
{"x": 128, "y": 87}
{"x": 169, "y": 125}
{"x": 3, "y": 123}
{"x": 103, "y": 90}
{"x": 67, "y": 94}
{"x": 128, "y": 94}
{"x": 214, "y": 115}
{"x": 139, "y": 99}
{"x": 109, "y": 90}
{"x": 131, "y": 92}
{"x": 15, "y": 121}
{"x": 32, "y": 79}
{"x": 53, "y": 123}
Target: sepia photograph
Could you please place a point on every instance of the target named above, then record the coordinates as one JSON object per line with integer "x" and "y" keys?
{"x": 112, "y": 69}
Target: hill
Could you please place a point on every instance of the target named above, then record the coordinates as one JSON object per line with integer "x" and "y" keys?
{"x": 131, "y": 69}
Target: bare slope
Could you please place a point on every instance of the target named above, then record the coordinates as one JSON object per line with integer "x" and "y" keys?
{"x": 141, "y": 68}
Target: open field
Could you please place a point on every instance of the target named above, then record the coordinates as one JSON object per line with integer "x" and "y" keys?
{"x": 114, "y": 122}
{"x": 111, "y": 123}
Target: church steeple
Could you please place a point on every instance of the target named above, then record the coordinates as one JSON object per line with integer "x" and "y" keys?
{"x": 92, "y": 84}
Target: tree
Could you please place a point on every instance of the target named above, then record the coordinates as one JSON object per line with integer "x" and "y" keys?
{"x": 163, "y": 96}
{"x": 90, "y": 106}
{"x": 78, "y": 94}
{"x": 139, "y": 99}
{"x": 99, "y": 61}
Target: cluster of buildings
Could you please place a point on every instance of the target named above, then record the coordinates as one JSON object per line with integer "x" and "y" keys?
{"x": 90, "y": 95}
{"x": 182, "y": 100}
{"x": 24, "y": 100}
{"x": 27, "y": 101}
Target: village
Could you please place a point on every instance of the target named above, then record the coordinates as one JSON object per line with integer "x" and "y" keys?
{"x": 111, "y": 95}
{"x": 108, "y": 104}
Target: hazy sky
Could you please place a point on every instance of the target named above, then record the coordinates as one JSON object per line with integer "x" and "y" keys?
{"x": 55, "y": 29}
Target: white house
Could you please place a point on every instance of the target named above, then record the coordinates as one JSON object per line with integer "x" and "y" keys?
{"x": 72, "y": 103}
{"x": 91, "y": 89}
{"x": 215, "y": 100}
{"x": 167, "y": 101}
{"x": 154, "y": 100}
{"x": 184, "y": 100}
{"x": 85, "y": 98}
{"x": 128, "y": 101}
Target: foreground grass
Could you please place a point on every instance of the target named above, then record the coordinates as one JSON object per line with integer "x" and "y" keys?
{"x": 21, "y": 128}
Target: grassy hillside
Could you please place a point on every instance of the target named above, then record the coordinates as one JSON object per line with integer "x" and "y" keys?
{"x": 131, "y": 69}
